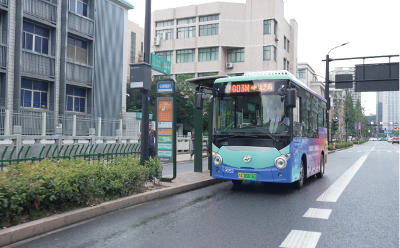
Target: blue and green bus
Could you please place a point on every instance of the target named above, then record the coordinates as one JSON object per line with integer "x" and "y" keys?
{"x": 268, "y": 127}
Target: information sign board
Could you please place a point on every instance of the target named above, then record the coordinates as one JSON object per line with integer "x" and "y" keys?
{"x": 160, "y": 64}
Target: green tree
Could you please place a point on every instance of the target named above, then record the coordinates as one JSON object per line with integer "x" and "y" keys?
{"x": 185, "y": 99}
{"x": 349, "y": 113}
{"x": 134, "y": 100}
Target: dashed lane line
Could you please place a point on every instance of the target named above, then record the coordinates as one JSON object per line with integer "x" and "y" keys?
{"x": 318, "y": 213}
{"x": 301, "y": 239}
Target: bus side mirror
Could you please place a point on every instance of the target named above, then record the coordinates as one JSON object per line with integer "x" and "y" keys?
{"x": 199, "y": 100}
{"x": 290, "y": 100}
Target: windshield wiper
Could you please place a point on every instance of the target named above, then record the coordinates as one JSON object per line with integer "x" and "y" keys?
{"x": 235, "y": 135}
{"x": 269, "y": 135}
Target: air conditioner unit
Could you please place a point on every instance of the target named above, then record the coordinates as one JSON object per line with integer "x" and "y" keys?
{"x": 229, "y": 65}
{"x": 162, "y": 36}
{"x": 157, "y": 41}
{"x": 276, "y": 38}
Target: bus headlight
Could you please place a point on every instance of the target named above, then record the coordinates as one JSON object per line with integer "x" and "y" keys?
{"x": 217, "y": 159}
{"x": 281, "y": 161}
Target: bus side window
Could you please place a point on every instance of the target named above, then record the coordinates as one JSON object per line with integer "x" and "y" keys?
{"x": 297, "y": 127}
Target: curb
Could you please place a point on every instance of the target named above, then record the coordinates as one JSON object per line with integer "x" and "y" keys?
{"x": 37, "y": 227}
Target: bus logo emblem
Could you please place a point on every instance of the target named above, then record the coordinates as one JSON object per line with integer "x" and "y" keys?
{"x": 246, "y": 158}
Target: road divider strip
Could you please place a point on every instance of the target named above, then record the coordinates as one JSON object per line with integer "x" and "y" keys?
{"x": 318, "y": 213}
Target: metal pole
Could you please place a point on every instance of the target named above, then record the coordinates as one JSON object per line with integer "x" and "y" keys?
{"x": 99, "y": 127}
{"x": 328, "y": 104}
{"x": 7, "y": 123}
{"x": 74, "y": 125}
{"x": 44, "y": 123}
{"x": 144, "y": 155}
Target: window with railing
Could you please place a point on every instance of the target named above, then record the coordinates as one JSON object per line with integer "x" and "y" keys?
{"x": 185, "y": 56}
{"x": 168, "y": 55}
{"x": 80, "y": 7}
{"x": 77, "y": 50}
{"x": 133, "y": 47}
{"x": 167, "y": 33}
{"x": 235, "y": 55}
{"x": 301, "y": 74}
{"x": 186, "y": 21}
{"x": 34, "y": 94}
{"x": 209, "y": 18}
{"x": 206, "y": 74}
{"x": 165, "y": 23}
{"x": 206, "y": 30}
{"x": 186, "y": 32}
{"x": 35, "y": 37}
{"x": 75, "y": 99}
{"x": 208, "y": 54}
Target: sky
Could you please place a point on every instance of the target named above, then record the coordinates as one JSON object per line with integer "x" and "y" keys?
{"x": 372, "y": 28}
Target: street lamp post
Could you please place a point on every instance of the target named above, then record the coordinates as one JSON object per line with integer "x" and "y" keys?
{"x": 328, "y": 105}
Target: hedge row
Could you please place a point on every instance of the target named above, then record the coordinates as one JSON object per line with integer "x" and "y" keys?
{"x": 359, "y": 142}
{"x": 46, "y": 187}
{"x": 340, "y": 145}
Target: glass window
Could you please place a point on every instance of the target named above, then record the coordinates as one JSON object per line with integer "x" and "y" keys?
{"x": 165, "y": 23}
{"x": 267, "y": 53}
{"x": 206, "y": 30}
{"x": 275, "y": 54}
{"x": 301, "y": 74}
{"x": 184, "y": 56}
{"x": 284, "y": 42}
{"x": 275, "y": 27}
{"x": 133, "y": 47}
{"x": 186, "y": 32}
{"x": 287, "y": 46}
{"x": 287, "y": 65}
{"x": 35, "y": 38}
{"x": 186, "y": 21}
{"x": 235, "y": 55}
{"x": 208, "y": 54}
{"x": 34, "y": 94}
{"x": 75, "y": 99}
{"x": 167, "y": 33}
{"x": 77, "y": 50}
{"x": 79, "y": 6}
{"x": 168, "y": 55}
{"x": 206, "y": 74}
{"x": 267, "y": 26}
{"x": 209, "y": 18}
{"x": 235, "y": 74}
{"x": 284, "y": 63}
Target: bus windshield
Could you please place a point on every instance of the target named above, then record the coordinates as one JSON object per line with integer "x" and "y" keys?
{"x": 254, "y": 113}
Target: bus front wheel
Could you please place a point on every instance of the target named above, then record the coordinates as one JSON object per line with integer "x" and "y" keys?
{"x": 320, "y": 174}
{"x": 299, "y": 183}
{"x": 237, "y": 182}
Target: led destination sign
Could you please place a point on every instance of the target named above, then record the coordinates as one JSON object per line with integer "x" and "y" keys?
{"x": 250, "y": 87}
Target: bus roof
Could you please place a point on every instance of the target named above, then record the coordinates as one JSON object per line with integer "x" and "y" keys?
{"x": 269, "y": 75}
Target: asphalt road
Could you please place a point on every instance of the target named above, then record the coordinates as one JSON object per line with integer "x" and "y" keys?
{"x": 364, "y": 180}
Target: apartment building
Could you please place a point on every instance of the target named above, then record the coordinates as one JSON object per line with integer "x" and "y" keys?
{"x": 64, "y": 58}
{"x": 136, "y": 45}
{"x": 307, "y": 75}
{"x": 222, "y": 38}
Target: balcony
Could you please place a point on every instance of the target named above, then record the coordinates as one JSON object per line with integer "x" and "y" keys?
{"x": 4, "y": 2}
{"x": 3, "y": 55}
{"x": 40, "y": 9}
{"x": 79, "y": 73}
{"x": 80, "y": 24}
{"x": 39, "y": 64}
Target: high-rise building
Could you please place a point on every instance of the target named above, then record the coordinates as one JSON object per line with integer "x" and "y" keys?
{"x": 387, "y": 110}
{"x": 345, "y": 70}
{"x": 64, "y": 58}
{"x": 222, "y": 38}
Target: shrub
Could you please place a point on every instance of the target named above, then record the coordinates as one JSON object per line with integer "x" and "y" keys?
{"x": 48, "y": 186}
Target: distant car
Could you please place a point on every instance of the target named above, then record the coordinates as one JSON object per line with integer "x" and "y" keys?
{"x": 395, "y": 140}
{"x": 382, "y": 139}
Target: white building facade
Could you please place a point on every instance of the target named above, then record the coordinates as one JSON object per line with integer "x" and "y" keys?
{"x": 387, "y": 110}
{"x": 222, "y": 38}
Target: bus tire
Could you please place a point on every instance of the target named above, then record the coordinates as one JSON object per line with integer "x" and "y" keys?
{"x": 237, "y": 182}
{"x": 299, "y": 183}
{"x": 320, "y": 174}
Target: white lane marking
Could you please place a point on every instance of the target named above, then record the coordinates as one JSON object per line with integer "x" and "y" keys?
{"x": 333, "y": 193}
{"x": 318, "y": 213}
{"x": 301, "y": 239}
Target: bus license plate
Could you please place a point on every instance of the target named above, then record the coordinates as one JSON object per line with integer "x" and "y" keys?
{"x": 250, "y": 176}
